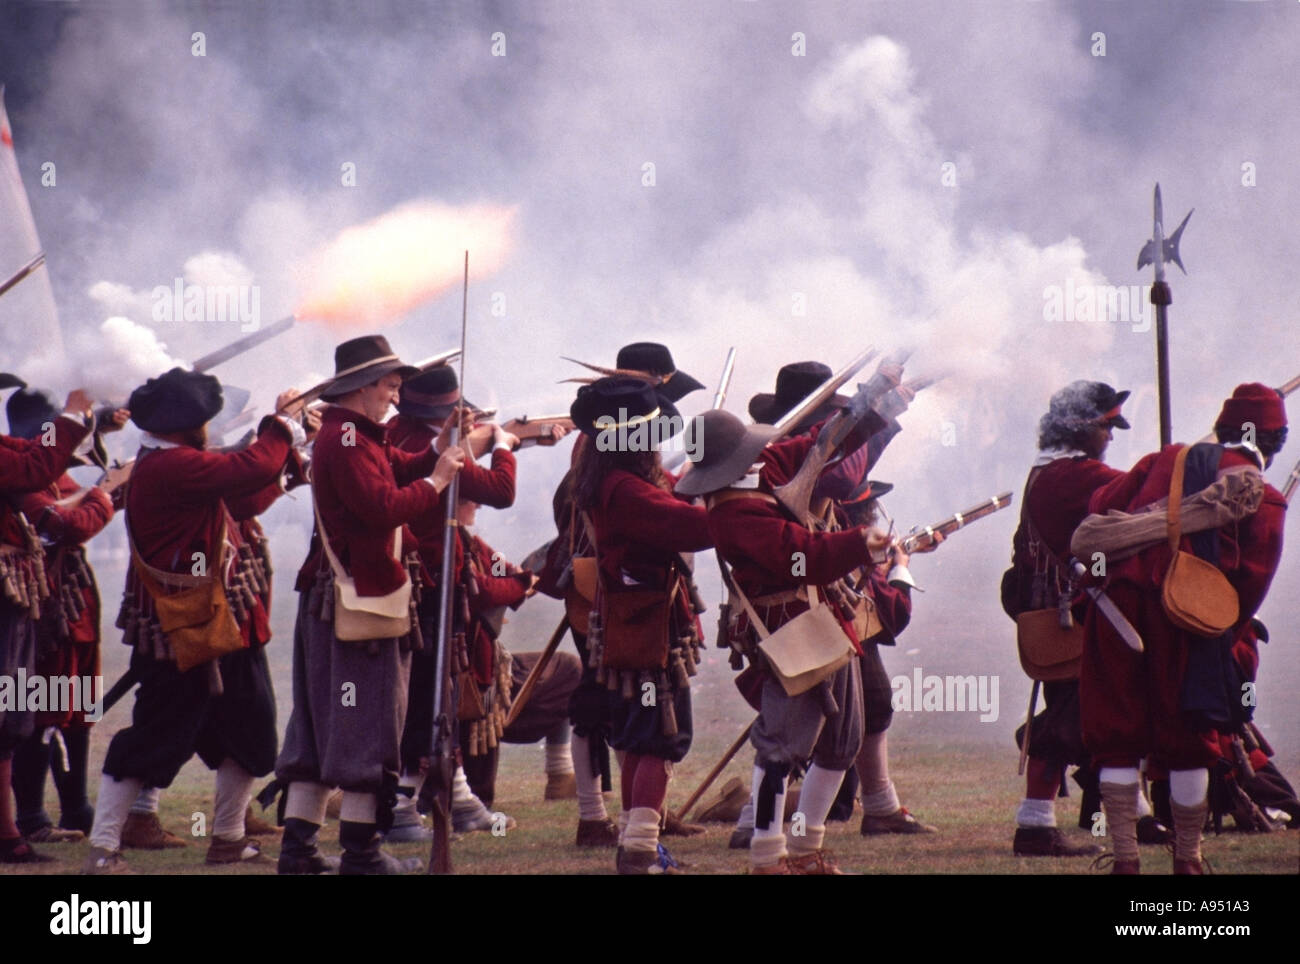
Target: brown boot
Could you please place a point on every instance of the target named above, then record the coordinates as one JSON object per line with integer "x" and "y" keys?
{"x": 255, "y": 826}
{"x": 816, "y": 864}
{"x": 644, "y": 863}
{"x": 561, "y": 786}
{"x": 142, "y": 831}
{"x": 781, "y": 867}
{"x": 597, "y": 833}
{"x": 244, "y": 850}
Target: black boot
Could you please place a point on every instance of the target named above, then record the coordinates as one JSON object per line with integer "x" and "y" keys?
{"x": 298, "y": 851}
{"x": 361, "y": 853}
{"x": 31, "y": 760}
{"x": 75, "y": 811}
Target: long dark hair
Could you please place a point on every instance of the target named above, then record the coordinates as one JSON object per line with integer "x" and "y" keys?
{"x": 593, "y": 466}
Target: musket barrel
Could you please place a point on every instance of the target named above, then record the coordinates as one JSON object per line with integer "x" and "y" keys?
{"x": 241, "y": 345}
{"x": 724, "y": 382}
{"x": 819, "y": 398}
{"x": 23, "y": 272}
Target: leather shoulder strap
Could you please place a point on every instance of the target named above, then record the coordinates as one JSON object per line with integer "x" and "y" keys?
{"x": 1176, "y": 498}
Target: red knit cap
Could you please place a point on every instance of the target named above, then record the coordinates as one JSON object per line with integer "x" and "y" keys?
{"x": 1255, "y": 403}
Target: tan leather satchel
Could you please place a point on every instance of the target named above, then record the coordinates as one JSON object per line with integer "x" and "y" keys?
{"x": 636, "y": 622}
{"x": 362, "y": 618}
{"x": 808, "y": 649}
{"x": 192, "y": 611}
{"x": 1197, "y": 597}
{"x": 1049, "y": 652}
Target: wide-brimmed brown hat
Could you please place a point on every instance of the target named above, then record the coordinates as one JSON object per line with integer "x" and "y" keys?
{"x": 362, "y": 361}
{"x": 794, "y": 383}
{"x": 726, "y": 448}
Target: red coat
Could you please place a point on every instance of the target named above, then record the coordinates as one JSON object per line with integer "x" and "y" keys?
{"x": 493, "y": 592}
{"x": 28, "y": 466}
{"x": 759, "y": 540}
{"x": 1248, "y": 551}
{"x": 640, "y": 527}
{"x": 493, "y": 487}
{"x": 365, "y": 489}
{"x": 176, "y": 505}
{"x": 65, "y": 527}
{"x": 1132, "y": 705}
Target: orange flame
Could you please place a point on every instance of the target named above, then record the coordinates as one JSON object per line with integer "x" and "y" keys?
{"x": 377, "y": 272}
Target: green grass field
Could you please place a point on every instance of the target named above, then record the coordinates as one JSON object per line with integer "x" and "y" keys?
{"x": 967, "y": 791}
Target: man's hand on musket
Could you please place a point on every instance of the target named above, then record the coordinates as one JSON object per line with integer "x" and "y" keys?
{"x": 311, "y": 422}
{"x": 283, "y": 403}
{"x": 79, "y": 404}
{"x": 466, "y": 426}
{"x": 449, "y": 463}
{"x": 556, "y": 433}
{"x": 116, "y": 421}
{"x": 501, "y": 437}
{"x": 932, "y": 545}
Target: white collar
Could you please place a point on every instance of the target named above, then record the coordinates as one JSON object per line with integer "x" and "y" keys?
{"x": 1250, "y": 447}
{"x": 152, "y": 441}
{"x": 1047, "y": 456}
{"x": 749, "y": 480}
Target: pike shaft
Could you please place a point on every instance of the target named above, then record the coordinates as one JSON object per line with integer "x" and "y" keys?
{"x": 720, "y": 396}
{"x": 23, "y": 272}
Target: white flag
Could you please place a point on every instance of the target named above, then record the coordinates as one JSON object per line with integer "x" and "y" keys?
{"x": 29, "y": 320}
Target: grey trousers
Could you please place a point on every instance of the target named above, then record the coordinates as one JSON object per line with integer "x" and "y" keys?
{"x": 349, "y": 705}
{"x": 792, "y": 730}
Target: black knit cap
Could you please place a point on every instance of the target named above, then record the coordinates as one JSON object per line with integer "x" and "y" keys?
{"x": 794, "y": 383}
{"x": 175, "y": 401}
{"x": 620, "y": 399}
{"x": 655, "y": 359}
{"x": 29, "y": 409}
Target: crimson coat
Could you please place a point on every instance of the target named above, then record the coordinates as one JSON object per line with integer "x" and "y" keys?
{"x": 365, "y": 489}
{"x": 26, "y": 465}
{"x": 1132, "y": 704}
{"x": 493, "y": 487}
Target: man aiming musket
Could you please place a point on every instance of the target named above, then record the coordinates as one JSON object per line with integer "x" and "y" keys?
{"x": 355, "y": 626}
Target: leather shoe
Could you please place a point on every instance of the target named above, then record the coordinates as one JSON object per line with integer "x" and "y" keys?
{"x": 900, "y": 821}
{"x": 1048, "y": 842}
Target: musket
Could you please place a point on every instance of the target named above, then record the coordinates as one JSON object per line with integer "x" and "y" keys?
{"x": 526, "y": 691}
{"x": 1292, "y": 481}
{"x": 922, "y": 536}
{"x": 1157, "y": 252}
{"x": 724, "y": 382}
{"x": 442, "y": 768}
{"x": 822, "y": 395}
{"x": 714, "y": 773}
{"x": 531, "y": 430}
{"x": 23, "y": 272}
{"x": 796, "y": 495}
{"x": 241, "y": 345}
{"x": 428, "y": 364}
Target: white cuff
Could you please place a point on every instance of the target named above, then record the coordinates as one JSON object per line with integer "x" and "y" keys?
{"x": 503, "y": 444}
{"x": 295, "y": 429}
{"x": 903, "y": 576}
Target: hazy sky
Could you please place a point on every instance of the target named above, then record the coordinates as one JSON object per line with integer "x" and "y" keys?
{"x": 919, "y": 174}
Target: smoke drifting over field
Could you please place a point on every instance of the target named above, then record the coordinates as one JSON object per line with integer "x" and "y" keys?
{"x": 822, "y": 179}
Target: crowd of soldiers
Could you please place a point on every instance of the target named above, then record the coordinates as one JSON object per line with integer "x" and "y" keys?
{"x": 386, "y": 630}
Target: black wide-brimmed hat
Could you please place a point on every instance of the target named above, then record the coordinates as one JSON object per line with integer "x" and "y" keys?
{"x": 726, "y": 448}
{"x": 794, "y": 383}
{"x": 362, "y": 361}
{"x": 867, "y": 490}
{"x": 29, "y": 409}
{"x": 622, "y": 403}
{"x": 432, "y": 394}
{"x": 175, "y": 401}
{"x": 1084, "y": 403}
{"x": 655, "y": 359}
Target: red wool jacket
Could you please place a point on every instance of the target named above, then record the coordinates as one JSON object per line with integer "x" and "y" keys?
{"x": 759, "y": 540}
{"x": 365, "y": 489}
{"x": 493, "y": 487}
{"x": 1248, "y": 551}
{"x": 26, "y": 465}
